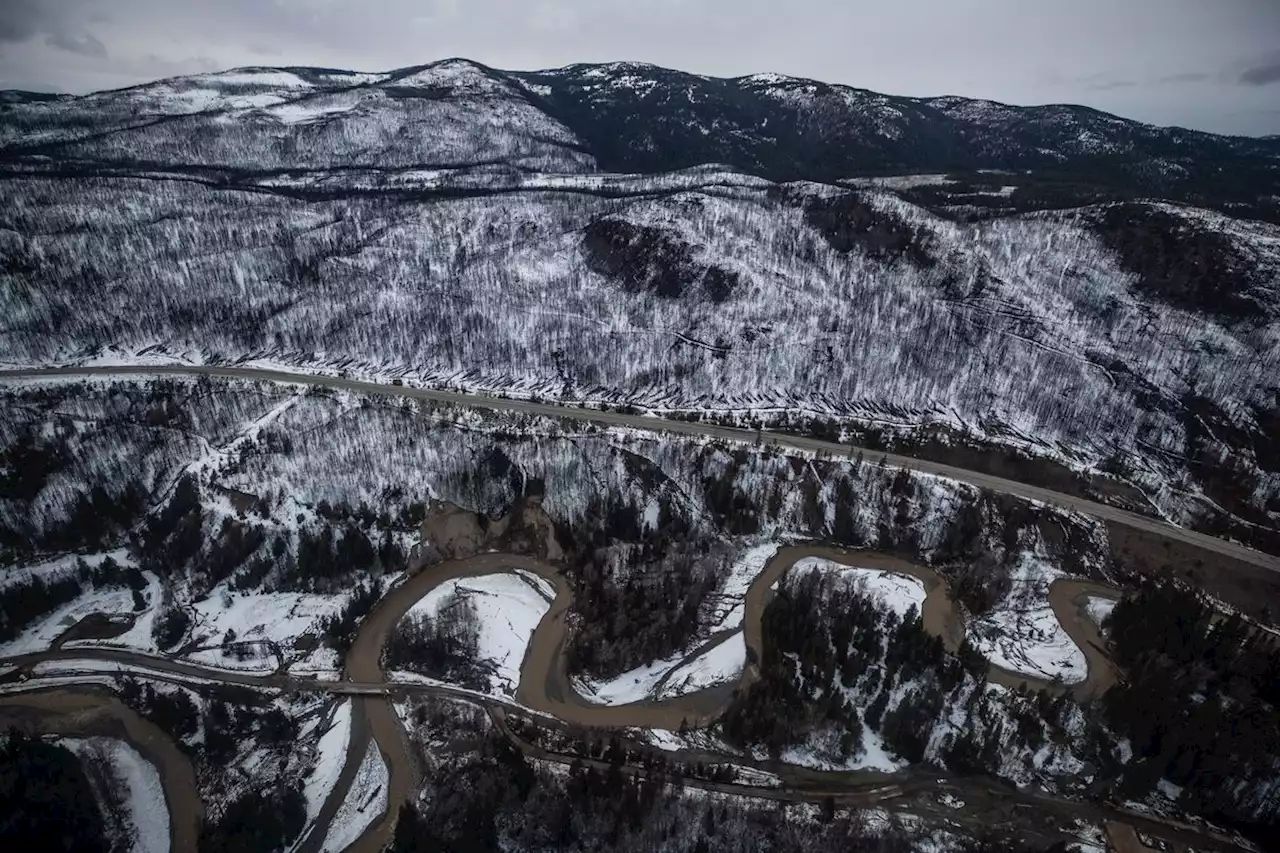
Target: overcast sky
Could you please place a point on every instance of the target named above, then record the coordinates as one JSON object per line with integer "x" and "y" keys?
{"x": 1209, "y": 64}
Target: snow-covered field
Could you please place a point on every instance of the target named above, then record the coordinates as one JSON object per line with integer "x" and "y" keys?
{"x": 720, "y": 664}
{"x": 897, "y": 592}
{"x": 509, "y": 607}
{"x": 261, "y": 619}
{"x": 140, "y": 789}
{"x": 871, "y": 755}
{"x": 280, "y": 617}
{"x": 634, "y": 685}
{"x": 331, "y": 753}
{"x": 365, "y": 802}
{"x": 41, "y": 634}
{"x": 1022, "y": 634}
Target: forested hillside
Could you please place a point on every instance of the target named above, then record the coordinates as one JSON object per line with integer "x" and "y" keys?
{"x": 467, "y": 226}
{"x": 216, "y": 499}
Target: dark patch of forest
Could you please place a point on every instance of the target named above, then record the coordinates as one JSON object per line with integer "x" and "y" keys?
{"x": 46, "y": 802}
{"x": 847, "y": 222}
{"x": 651, "y": 607}
{"x": 494, "y": 799}
{"x": 444, "y": 645}
{"x": 340, "y": 628}
{"x": 1179, "y": 262}
{"x": 650, "y": 260}
{"x": 99, "y": 516}
{"x": 1200, "y": 705}
{"x": 832, "y": 659}
{"x": 268, "y": 819}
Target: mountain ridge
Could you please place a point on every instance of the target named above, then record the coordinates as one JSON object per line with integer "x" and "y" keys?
{"x": 34, "y": 94}
{"x": 635, "y": 117}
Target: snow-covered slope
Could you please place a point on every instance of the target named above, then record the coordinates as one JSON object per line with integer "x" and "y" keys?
{"x": 474, "y": 226}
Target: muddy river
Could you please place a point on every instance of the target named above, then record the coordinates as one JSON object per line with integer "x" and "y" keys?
{"x": 544, "y": 685}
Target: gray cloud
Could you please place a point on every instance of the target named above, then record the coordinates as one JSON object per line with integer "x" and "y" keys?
{"x": 85, "y": 45}
{"x": 1261, "y": 75}
{"x": 1130, "y": 57}
{"x": 1104, "y": 82}
{"x": 22, "y": 19}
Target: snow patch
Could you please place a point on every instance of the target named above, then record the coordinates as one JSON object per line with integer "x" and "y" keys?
{"x": 729, "y": 604}
{"x": 331, "y": 753}
{"x": 872, "y": 756}
{"x": 1099, "y": 608}
{"x": 1023, "y": 635}
{"x": 720, "y": 664}
{"x": 509, "y": 609}
{"x": 366, "y": 801}
{"x": 41, "y": 634}
{"x": 141, "y": 793}
{"x": 634, "y": 685}
{"x": 895, "y": 591}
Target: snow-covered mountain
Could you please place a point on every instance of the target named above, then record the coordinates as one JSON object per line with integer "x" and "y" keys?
{"x": 625, "y": 231}
{"x": 624, "y": 117}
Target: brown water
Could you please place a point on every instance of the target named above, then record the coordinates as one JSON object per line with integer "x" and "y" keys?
{"x": 82, "y": 712}
{"x": 544, "y": 685}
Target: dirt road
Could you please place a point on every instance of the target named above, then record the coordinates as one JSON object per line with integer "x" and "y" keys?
{"x": 651, "y": 423}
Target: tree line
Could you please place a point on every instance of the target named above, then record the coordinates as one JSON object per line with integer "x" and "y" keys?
{"x": 444, "y": 644}
{"x": 1200, "y": 705}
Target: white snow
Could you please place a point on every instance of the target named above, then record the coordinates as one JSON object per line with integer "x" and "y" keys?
{"x": 1023, "y": 635}
{"x": 509, "y": 609}
{"x": 255, "y": 659}
{"x": 635, "y": 685}
{"x": 900, "y": 182}
{"x": 267, "y": 78}
{"x": 142, "y": 792}
{"x": 139, "y": 636}
{"x": 722, "y": 663}
{"x": 543, "y": 586}
{"x": 39, "y": 636}
{"x": 365, "y": 802}
{"x": 278, "y": 616}
{"x": 322, "y": 662}
{"x": 729, "y": 604}
{"x": 745, "y": 775}
{"x": 1099, "y": 608}
{"x": 897, "y": 592}
{"x": 872, "y": 756}
{"x": 295, "y": 112}
{"x": 331, "y": 752}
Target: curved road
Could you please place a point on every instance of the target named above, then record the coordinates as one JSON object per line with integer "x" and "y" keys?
{"x": 651, "y": 423}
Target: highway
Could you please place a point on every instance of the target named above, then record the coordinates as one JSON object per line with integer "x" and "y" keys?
{"x": 657, "y": 424}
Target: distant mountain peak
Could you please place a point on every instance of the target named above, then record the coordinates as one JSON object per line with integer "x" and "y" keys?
{"x": 633, "y": 116}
